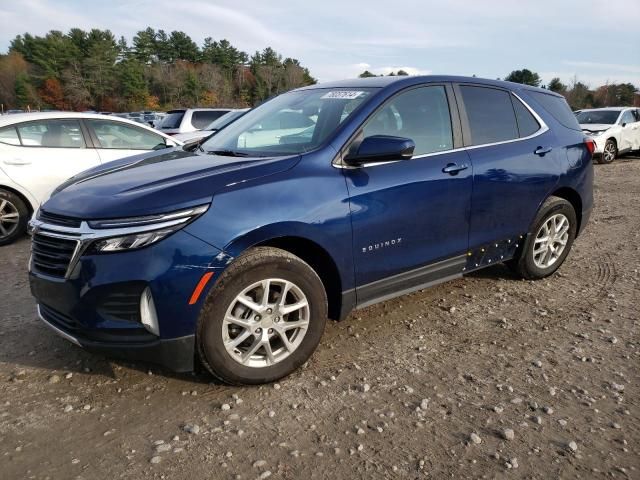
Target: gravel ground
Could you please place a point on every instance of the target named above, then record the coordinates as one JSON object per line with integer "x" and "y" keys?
{"x": 483, "y": 377}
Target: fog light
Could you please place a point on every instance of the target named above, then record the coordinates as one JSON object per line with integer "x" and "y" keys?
{"x": 148, "y": 312}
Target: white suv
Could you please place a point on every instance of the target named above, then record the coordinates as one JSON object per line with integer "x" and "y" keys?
{"x": 189, "y": 119}
{"x": 615, "y": 130}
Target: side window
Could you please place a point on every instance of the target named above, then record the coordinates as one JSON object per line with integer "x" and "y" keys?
{"x": 51, "y": 134}
{"x": 527, "y": 124}
{"x": 119, "y": 136}
{"x": 421, "y": 114}
{"x": 490, "y": 113}
{"x": 202, "y": 118}
{"x": 627, "y": 117}
{"x": 9, "y": 135}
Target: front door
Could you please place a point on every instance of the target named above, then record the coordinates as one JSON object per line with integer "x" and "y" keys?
{"x": 410, "y": 218}
{"x": 630, "y": 136}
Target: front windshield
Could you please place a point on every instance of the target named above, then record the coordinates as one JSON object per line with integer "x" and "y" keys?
{"x": 607, "y": 117}
{"x": 225, "y": 120}
{"x": 292, "y": 123}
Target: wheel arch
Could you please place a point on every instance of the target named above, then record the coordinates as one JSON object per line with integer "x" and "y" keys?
{"x": 573, "y": 197}
{"x": 313, "y": 251}
{"x": 21, "y": 195}
{"x": 320, "y": 260}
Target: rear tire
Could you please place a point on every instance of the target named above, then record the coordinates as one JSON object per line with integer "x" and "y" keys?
{"x": 609, "y": 152}
{"x": 14, "y": 216}
{"x": 549, "y": 242}
{"x": 247, "y": 337}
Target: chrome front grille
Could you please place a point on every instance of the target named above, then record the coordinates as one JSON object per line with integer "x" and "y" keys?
{"x": 51, "y": 255}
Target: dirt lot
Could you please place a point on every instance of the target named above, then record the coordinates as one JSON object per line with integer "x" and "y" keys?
{"x": 484, "y": 377}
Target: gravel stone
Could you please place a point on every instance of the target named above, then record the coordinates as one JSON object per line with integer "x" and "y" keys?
{"x": 475, "y": 438}
{"x": 508, "y": 434}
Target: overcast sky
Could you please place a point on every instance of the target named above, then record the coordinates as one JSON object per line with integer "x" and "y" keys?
{"x": 597, "y": 40}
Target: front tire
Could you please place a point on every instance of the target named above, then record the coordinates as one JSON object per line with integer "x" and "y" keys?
{"x": 263, "y": 319}
{"x": 609, "y": 152}
{"x": 14, "y": 216}
{"x": 549, "y": 242}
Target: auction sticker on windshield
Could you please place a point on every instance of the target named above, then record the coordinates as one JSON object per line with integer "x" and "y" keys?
{"x": 343, "y": 94}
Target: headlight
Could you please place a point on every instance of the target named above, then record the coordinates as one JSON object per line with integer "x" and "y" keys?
{"x": 138, "y": 232}
{"x": 130, "y": 242}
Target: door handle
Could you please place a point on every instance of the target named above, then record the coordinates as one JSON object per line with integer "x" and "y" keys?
{"x": 16, "y": 161}
{"x": 454, "y": 168}
{"x": 542, "y": 151}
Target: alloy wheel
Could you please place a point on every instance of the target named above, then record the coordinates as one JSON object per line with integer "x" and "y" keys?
{"x": 551, "y": 240}
{"x": 609, "y": 152}
{"x": 265, "y": 323}
{"x": 9, "y": 218}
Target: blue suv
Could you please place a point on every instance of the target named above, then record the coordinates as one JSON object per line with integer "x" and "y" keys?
{"x": 321, "y": 200}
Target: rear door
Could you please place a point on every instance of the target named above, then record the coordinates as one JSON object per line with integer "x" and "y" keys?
{"x": 411, "y": 218}
{"x": 47, "y": 153}
{"x": 114, "y": 140}
{"x": 515, "y": 164}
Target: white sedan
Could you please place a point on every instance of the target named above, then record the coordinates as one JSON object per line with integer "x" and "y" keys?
{"x": 615, "y": 130}
{"x": 39, "y": 151}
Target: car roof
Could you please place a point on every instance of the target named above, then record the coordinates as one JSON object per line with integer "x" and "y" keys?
{"x": 617, "y": 109}
{"x": 408, "y": 80}
{"x": 6, "y": 120}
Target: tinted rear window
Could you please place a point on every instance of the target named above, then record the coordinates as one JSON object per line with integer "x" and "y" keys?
{"x": 490, "y": 114}
{"x": 527, "y": 124}
{"x": 558, "y": 108}
{"x": 172, "y": 120}
{"x": 203, "y": 118}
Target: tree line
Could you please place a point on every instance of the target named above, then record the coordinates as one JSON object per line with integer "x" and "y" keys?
{"x": 83, "y": 70}
{"x": 578, "y": 94}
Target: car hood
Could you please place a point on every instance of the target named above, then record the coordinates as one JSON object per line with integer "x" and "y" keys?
{"x": 156, "y": 182}
{"x": 595, "y": 127}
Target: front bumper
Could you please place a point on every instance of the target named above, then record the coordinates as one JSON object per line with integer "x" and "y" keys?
{"x": 176, "y": 354}
{"x": 98, "y": 305}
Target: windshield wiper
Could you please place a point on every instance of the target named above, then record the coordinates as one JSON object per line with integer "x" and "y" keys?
{"x": 228, "y": 153}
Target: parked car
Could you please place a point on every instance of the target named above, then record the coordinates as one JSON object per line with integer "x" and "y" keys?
{"x": 189, "y": 120}
{"x": 615, "y": 130}
{"x": 237, "y": 254}
{"x": 38, "y": 151}
{"x": 213, "y": 127}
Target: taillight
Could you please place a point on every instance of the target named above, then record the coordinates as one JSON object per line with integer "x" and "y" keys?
{"x": 591, "y": 145}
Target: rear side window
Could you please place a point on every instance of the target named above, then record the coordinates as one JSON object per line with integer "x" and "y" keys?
{"x": 558, "y": 108}
{"x": 490, "y": 113}
{"x": 51, "y": 134}
{"x": 527, "y": 124}
{"x": 173, "y": 119}
{"x": 9, "y": 135}
{"x": 203, "y": 118}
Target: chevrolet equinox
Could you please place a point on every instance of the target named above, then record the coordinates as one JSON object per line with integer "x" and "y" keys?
{"x": 234, "y": 253}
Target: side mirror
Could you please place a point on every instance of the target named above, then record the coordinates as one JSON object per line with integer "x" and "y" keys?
{"x": 624, "y": 124}
{"x": 381, "y": 148}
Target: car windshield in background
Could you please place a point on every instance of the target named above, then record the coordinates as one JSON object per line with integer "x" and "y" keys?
{"x": 173, "y": 119}
{"x": 289, "y": 124}
{"x": 225, "y": 120}
{"x": 607, "y": 117}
